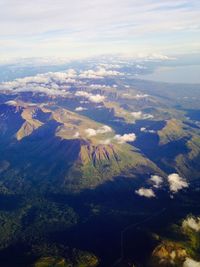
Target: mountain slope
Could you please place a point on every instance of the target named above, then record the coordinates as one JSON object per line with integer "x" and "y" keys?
{"x": 51, "y": 153}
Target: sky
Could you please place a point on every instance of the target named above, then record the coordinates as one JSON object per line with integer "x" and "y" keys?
{"x": 83, "y": 28}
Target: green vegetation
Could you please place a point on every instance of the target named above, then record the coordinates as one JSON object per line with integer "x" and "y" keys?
{"x": 103, "y": 162}
{"x": 172, "y": 131}
{"x": 67, "y": 193}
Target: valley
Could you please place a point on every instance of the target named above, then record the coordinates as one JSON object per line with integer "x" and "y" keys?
{"x": 98, "y": 169}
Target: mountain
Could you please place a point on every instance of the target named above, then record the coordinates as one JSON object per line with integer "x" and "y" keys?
{"x": 54, "y": 144}
{"x": 98, "y": 168}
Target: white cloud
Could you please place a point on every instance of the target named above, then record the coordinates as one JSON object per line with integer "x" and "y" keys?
{"x": 84, "y": 102}
{"x": 109, "y": 66}
{"x": 143, "y": 129}
{"x": 51, "y": 83}
{"x": 192, "y": 222}
{"x": 125, "y": 138}
{"x": 11, "y": 103}
{"x": 147, "y": 116}
{"x": 99, "y": 107}
{"x": 141, "y": 96}
{"x": 120, "y": 139}
{"x": 191, "y": 263}
{"x": 144, "y": 192}
{"x": 96, "y": 28}
{"x": 91, "y": 132}
{"x": 91, "y": 97}
{"x": 176, "y": 182}
{"x": 82, "y": 93}
{"x": 99, "y": 73}
{"x": 102, "y": 130}
{"x": 96, "y": 98}
{"x": 156, "y": 180}
{"x": 80, "y": 109}
{"x": 155, "y": 56}
{"x": 140, "y": 67}
{"x": 138, "y": 115}
{"x": 76, "y": 135}
{"x": 98, "y": 86}
{"x": 106, "y": 141}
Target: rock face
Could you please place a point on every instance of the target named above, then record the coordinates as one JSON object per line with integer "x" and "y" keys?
{"x": 98, "y": 154}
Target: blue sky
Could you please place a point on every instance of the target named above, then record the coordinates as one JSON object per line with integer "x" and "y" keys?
{"x": 81, "y": 28}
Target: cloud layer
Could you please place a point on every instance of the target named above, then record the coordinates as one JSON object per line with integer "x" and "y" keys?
{"x": 54, "y": 83}
{"x": 51, "y": 83}
{"x": 81, "y": 28}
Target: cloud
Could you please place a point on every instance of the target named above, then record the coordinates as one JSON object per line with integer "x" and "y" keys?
{"x": 99, "y": 73}
{"x": 143, "y": 129}
{"x": 138, "y": 115}
{"x": 156, "y": 180}
{"x": 91, "y": 97}
{"x": 91, "y": 132}
{"x": 98, "y": 86}
{"x": 141, "y": 96}
{"x": 96, "y": 98}
{"x": 84, "y": 102}
{"x": 80, "y": 109}
{"x": 102, "y": 130}
{"x": 76, "y": 135}
{"x": 120, "y": 139}
{"x": 110, "y": 66}
{"x": 106, "y": 141}
{"x": 125, "y": 138}
{"x": 191, "y": 263}
{"x": 11, "y": 103}
{"x": 155, "y": 56}
{"x": 176, "y": 182}
{"x": 88, "y": 29}
{"x": 192, "y": 222}
{"x": 82, "y": 94}
{"x": 51, "y": 83}
{"x": 140, "y": 67}
{"x": 144, "y": 192}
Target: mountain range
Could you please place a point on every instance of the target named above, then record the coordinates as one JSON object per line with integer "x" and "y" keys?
{"x": 87, "y": 156}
